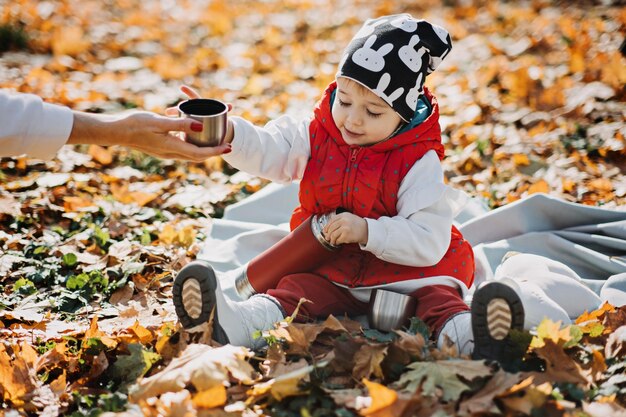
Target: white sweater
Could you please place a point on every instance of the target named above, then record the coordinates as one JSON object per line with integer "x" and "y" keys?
{"x": 418, "y": 236}
{"x": 30, "y": 126}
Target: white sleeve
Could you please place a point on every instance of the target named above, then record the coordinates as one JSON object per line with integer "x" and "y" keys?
{"x": 420, "y": 234}
{"x": 30, "y": 126}
{"x": 279, "y": 151}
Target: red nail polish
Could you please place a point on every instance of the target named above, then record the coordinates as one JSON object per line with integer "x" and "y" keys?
{"x": 228, "y": 150}
{"x": 196, "y": 127}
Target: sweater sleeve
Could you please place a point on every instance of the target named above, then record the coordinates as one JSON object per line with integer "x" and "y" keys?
{"x": 420, "y": 234}
{"x": 30, "y": 126}
{"x": 279, "y": 151}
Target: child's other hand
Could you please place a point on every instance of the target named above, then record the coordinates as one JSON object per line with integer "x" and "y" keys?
{"x": 346, "y": 228}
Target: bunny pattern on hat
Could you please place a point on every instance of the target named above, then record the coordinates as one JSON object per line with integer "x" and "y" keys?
{"x": 392, "y": 55}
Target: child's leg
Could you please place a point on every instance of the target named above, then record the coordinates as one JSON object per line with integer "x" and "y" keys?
{"x": 446, "y": 314}
{"x": 326, "y": 298}
{"x": 496, "y": 312}
{"x": 547, "y": 288}
{"x": 614, "y": 290}
{"x": 437, "y": 303}
{"x": 197, "y": 293}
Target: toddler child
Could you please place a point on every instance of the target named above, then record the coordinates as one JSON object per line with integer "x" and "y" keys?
{"x": 373, "y": 147}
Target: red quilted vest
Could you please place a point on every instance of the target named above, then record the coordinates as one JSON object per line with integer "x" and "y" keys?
{"x": 365, "y": 181}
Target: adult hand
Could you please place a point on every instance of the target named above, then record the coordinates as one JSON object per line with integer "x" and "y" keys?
{"x": 346, "y": 228}
{"x": 144, "y": 131}
{"x": 191, "y": 94}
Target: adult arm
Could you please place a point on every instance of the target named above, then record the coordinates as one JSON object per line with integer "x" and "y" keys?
{"x": 420, "y": 234}
{"x": 279, "y": 151}
{"x": 30, "y": 126}
{"x": 144, "y": 131}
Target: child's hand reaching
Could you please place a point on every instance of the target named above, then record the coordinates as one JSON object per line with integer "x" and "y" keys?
{"x": 346, "y": 228}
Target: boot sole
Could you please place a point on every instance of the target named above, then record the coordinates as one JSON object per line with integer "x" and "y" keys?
{"x": 194, "y": 298}
{"x": 496, "y": 310}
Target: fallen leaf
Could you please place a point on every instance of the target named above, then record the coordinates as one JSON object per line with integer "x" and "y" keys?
{"x": 524, "y": 397}
{"x": 443, "y": 375}
{"x": 201, "y": 366}
{"x": 367, "y": 361}
{"x": 211, "y": 398}
{"x": 17, "y": 375}
{"x": 616, "y": 344}
{"x": 287, "y": 384}
{"x": 483, "y": 400}
{"x": 559, "y": 366}
{"x": 540, "y": 186}
{"x": 382, "y": 397}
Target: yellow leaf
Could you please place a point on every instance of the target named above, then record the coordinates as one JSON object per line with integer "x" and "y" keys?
{"x": 521, "y": 159}
{"x": 568, "y": 185}
{"x": 287, "y": 384}
{"x": 540, "y": 186}
{"x": 186, "y": 236}
{"x": 382, "y": 397}
{"x": 168, "y": 235}
{"x": 211, "y": 398}
{"x": 548, "y": 329}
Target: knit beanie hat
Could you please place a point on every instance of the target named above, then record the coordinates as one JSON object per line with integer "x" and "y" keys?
{"x": 392, "y": 55}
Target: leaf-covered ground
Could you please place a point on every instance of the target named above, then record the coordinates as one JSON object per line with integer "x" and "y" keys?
{"x": 532, "y": 99}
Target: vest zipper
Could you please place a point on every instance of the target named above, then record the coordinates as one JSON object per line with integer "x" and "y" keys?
{"x": 348, "y": 187}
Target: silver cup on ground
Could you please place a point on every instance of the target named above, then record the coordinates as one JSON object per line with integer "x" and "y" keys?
{"x": 390, "y": 310}
{"x": 213, "y": 116}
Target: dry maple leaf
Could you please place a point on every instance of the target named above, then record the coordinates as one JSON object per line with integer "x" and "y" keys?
{"x": 443, "y": 375}
{"x": 201, "y": 366}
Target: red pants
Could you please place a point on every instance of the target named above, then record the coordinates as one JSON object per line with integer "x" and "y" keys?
{"x": 435, "y": 303}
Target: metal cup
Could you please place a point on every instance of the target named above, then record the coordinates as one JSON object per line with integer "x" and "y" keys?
{"x": 390, "y": 310}
{"x": 213, "y": 116}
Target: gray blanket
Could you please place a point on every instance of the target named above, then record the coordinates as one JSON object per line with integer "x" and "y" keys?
{"x": 590, "y": 240}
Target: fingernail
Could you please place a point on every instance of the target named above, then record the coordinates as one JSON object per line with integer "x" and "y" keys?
{"x": 228, "y": 150}
{"x": 196, "y": 127}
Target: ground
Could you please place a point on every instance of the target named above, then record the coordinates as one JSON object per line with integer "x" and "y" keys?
{"x": 532, "y": 100}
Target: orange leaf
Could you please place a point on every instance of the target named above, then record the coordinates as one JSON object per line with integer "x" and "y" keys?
{"x": 17, "y": 378}
{"x": 145, "y": 336}
{"x": 211, "y": 398}
{"x": 596, "y": 314}
{"x": 600, "y": 185}
{"x": 69, "y": 40}
{"x": 121, "y": 194}
{"x": 382, "y": 397}
{"x": 540, "y": 186}
{"x": 100, "y": 154}
{"x": 71, "y": 203}
{"x": 95, "y": 332}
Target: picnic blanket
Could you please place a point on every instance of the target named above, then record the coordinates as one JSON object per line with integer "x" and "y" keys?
{"x": 589, "y": 240}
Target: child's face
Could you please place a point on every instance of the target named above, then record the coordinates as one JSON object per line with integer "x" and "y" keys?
{"x": 362, "y": 117}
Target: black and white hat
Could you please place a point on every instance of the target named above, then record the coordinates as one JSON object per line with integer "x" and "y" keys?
{"x": 392, "y": 55}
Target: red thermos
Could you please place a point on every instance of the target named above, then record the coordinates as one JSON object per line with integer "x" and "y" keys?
{"x": 302, "y": 250}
